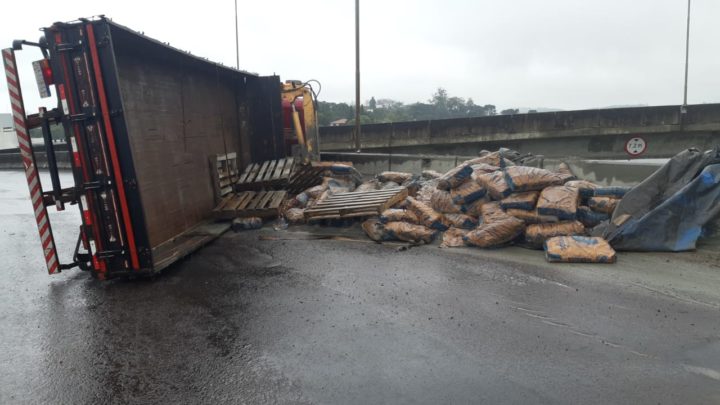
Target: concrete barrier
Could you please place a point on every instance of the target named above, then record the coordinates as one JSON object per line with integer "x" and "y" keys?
{"x": 605, "y": 172}
{"x": 591, "y": 134}
{"x": 11, "y": 160}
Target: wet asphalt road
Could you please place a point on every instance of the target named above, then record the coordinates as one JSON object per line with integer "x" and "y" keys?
{"x": 289, "y": 321}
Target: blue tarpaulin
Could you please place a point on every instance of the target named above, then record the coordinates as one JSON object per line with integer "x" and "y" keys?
{"x": 669, "y": 210}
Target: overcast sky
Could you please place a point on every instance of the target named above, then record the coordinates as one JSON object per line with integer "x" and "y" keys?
{"x": 566, "y": 54}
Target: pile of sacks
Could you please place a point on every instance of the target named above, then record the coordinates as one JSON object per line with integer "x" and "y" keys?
{"x": 491, "y": 201}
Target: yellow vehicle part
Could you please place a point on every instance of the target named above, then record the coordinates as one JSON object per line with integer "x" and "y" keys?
{"x": 308, "y": 137}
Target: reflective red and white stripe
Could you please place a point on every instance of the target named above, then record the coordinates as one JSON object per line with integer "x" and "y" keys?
{"x": 31, "y": 172}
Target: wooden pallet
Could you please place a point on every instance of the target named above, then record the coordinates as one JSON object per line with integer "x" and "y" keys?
{"x": 271, "y": 174}
{"x": 226, "y": 172}
{"x": 263, "y": 204}
{"x": 304, "y": 177}
{"x": 348, "y": 205}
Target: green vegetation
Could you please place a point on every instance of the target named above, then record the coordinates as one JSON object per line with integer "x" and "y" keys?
{"x": 440, "y": 106}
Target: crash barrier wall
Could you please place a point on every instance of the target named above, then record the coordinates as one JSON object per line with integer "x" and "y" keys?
{"x": 13, "y": 161}
{"x": 614, "y": 133}
{"x": 605, "y": 172}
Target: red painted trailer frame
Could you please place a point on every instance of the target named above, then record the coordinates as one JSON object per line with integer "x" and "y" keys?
{"x": 141, "y": 120}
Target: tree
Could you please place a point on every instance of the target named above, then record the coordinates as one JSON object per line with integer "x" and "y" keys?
{"x": 510, "y": 111}
{"x": 456, "y": 107}
{"x": 388, "y": 103}
{"x": 440, "y": 105}
{"x": 440, "y": 101}
{"x": 440, "y": 97}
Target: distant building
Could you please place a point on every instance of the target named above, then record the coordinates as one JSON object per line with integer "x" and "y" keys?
{"x": 340, "y": 122}
{"x": 8, "y": 139}
{"x": 6, "y": 121}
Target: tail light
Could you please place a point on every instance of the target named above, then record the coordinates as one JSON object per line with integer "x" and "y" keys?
{"x": 43, "y": 76}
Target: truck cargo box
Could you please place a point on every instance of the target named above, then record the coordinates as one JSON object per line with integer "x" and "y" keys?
{"x": 142, "y": 120}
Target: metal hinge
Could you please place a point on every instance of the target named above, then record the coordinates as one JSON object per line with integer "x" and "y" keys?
{"x": 79, "y": 117}
{"x": 67, "y": 47}
{"x": 92, "y": 185}
{"x": 131, "y": 183}
{"x": 105, "y": 40}
{"x": 109, "y": 254}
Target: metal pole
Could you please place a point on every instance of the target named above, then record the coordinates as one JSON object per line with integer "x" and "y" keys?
{"x": 687, "y": 56}
{"x": 357, "y": 75}
{"x": 237, "y": 42}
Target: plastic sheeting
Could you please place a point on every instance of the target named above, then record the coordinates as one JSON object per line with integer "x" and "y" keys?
{"x": 537, "y": 234}
{"x": 522, "y": 201}
{"x": 396, "y": 214}
{"x": 295, "y": 215}
{"x": 467, "y": 192}
{"x": 634, "y": 225}
{"x": 442, "y": 201}
{"x": 673, "y": 225}
{"x": 426, "y": 215}
{"x": 409, "y": 232}
{"x": 455, "y": 177}
{"x": 453, "y": 237}
{"x": 524, "y": 178}
{"x": 590, "y": 218}
{"x": 495, "y": 233}
{"x": 397, "y": 177}
{"x": 491, "y": 212}
{"x": 603, "y": 204}
{"x": 531, "y": 217}
{"x": 495, "y": 183}
{"x": 559, "y": 201}
{"x": 475, "y": 208}
{"x": 461, "y": 221}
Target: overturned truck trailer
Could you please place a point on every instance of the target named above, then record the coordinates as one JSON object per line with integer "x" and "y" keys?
{"x": 141, "y": 120}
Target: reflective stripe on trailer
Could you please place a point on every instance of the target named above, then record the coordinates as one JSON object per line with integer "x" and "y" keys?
{"x": 75, "y": 152}
{"x": 63, "y": 99}
{"x": 31, "y": 172}
{"x": 85, "y": 211}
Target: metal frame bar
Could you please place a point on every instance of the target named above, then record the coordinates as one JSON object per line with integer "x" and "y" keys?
{"x": 104, "y": 31}
{"x": 100, "y": 87}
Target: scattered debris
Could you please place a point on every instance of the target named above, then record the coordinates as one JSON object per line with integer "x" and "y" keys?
{"x": 494, "y": 200}
{"x": 244, "y": 224}
{"x": 396, "y": 177}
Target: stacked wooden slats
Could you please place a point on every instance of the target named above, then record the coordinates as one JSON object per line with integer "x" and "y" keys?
{"x": 305, "y": 176}
{"x": 271, "y": 174}
{"x": 227, "y": 172}
{"x": 264, "y": 204}
{"x": 348, "y": 205}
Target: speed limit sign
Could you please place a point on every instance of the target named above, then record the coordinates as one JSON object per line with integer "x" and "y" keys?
{"x": 635, "y": 146}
